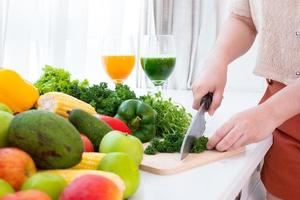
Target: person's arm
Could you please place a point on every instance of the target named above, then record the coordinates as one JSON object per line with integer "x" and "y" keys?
{"x": 235, "y": 38}
{"x": 259, "y": 122}
{"x": 284, "y": 104}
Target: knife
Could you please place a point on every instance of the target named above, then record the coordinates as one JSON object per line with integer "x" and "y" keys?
{"x": 197, "y": 126}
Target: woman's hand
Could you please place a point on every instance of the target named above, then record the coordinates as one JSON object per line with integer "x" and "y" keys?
{"x": 247, "y": 127}
{"x": 212, "y": 79}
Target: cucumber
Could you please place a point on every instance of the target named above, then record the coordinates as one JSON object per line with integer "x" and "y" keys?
{"x": 87, "y": 124}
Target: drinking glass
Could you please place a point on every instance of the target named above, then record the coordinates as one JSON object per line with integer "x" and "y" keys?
{"x": 158, "y": 58}
{"x": 118, "y": 57}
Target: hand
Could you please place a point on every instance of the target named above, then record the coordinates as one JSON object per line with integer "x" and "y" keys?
{"x": 212, "y": 79}
{"x": 247, "y": 127}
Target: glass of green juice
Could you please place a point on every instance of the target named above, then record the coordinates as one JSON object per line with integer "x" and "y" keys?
{"x": 158, "y": 58}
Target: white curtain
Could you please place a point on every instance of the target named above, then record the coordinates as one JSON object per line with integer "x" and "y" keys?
{"x": 63, "y": 33}
{"x": 67, "y": 33}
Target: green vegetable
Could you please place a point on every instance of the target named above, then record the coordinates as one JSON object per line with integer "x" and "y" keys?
{"x": 105, "y": 100}
{"x": 199, "y": 145}
{"x": 89, "y": 125}
{"x": 140, "y": 118}
{"x": 57, "y": 79}
{"x": 171, "y": 118}
{"x": 172, "y": 143}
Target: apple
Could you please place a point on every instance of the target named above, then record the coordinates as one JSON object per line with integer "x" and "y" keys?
{"x": 5, "y": 188}
{"x": 116, "y": 141}
{"x": 5, "y": 108}
{"x": 15, "y": 166}
{"x": 92, "y": 187}
{"x": 87, "y": 144}
{"x": 51, "y": 184}
{"x": 124, "y": 166}
{"x": 5, "y": 119}
{"x": 27, "y": 195}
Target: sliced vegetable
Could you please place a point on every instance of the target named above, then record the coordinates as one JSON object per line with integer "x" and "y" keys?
{"x": 115, "y": 124}
{"x": 61, "y": 104}
{"x": 15, "y": 92}
{"x": 140, "y": 118}
{"x": 172, "y": 143}
{"x": 199, "y": 145}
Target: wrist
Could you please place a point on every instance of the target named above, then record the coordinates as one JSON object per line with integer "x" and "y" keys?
{"x": 272, "y": 113}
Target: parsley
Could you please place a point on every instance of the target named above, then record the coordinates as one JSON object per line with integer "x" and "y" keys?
{"x": 171, "y": 118}
{"x": 199, "y": 145}
{"x": 172, "y": 143}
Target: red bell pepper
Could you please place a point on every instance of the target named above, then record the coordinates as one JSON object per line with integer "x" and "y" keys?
{"x": 115, "y": 124}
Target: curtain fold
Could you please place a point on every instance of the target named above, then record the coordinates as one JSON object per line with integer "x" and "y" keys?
{"x": 194, "y": 23}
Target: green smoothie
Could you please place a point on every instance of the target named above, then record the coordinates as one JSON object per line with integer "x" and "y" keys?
{"x": 158, "y": 69}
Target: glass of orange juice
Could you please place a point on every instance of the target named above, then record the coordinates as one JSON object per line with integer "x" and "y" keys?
{"x": 118, "y": 57}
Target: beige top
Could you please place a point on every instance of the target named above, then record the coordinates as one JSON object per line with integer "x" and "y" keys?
{"x": 278, "y": 25}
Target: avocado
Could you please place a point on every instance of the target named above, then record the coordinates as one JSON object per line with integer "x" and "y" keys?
{"x": 52, "y": 141}
{"x": 87, "y": 124}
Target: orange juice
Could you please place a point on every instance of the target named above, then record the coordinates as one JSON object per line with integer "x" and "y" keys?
{"x": 118, "y": 67}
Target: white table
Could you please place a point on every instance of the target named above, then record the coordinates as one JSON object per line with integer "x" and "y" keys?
{"x": 221, "y": 180}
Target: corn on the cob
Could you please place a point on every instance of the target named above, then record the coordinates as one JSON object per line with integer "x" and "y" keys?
{"x": 61, "y": 103}
{"x": 90, "y": 160}
{"x": 71, "y": 174}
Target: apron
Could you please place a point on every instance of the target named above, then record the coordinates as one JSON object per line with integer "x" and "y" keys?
{"x": 281, "y": 170}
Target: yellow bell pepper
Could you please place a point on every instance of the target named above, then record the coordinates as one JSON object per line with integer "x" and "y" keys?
{"x": 17, "y": 93}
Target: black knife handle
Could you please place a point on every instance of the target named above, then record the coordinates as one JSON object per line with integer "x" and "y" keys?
{"x": 206, "y": 100}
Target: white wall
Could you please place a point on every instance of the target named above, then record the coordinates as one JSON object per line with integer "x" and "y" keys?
{"x": 241, "y": 77}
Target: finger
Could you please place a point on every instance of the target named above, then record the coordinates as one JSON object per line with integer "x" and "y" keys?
{"x": 197, "y": 98}
{"x": 241, "y": 142}
{"x": 229, "y": 140}
{"x": 217, "y": 99}
{"x": 219, "y": 134}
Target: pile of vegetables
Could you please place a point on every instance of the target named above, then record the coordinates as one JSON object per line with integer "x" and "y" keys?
{"x": 170, "y": 120}
{"x": 103, "y": 99}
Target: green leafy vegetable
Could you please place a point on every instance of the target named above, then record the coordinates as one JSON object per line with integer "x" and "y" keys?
{"x": 171, "y": 118}
{"x": 105, "y": 100}
{"x": 57, "y": 79}
{"x": 199, "y": 145}
{"x": 172, "y": 143}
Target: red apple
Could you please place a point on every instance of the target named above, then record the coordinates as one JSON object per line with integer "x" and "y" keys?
{"x": 91, "y": 187}
{"x": 15, "y": 166}
{"x": 87, "y": 144}
{"x": 27, "y": 195}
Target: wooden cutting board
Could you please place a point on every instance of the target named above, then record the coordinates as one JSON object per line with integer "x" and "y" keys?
{"x": 170, "y": 163}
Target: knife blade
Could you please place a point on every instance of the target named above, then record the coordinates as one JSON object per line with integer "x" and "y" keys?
{"x": 197, "y": 126}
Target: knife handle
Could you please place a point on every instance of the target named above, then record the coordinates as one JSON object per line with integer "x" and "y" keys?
{"x": 206, "y": 100}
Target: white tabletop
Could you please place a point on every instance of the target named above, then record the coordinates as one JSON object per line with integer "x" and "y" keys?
{"x": 220, "y": 180}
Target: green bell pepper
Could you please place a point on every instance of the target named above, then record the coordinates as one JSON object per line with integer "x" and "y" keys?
{"x": 140, "y": 118}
